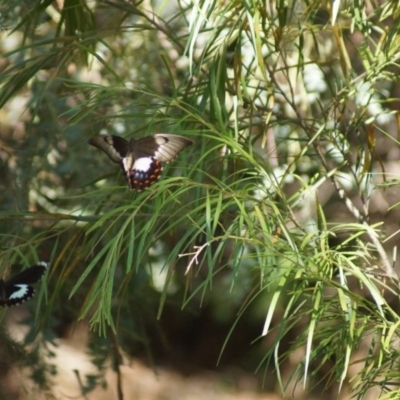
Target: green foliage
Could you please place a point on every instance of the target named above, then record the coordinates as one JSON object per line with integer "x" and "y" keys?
{"x": 276, "y": 214}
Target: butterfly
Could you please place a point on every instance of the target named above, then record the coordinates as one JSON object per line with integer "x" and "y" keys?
{"x": 17, "y": 289}
{"x": 141, "y": 159}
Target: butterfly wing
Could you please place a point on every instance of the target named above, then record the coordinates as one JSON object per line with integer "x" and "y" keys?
{"x": 162, "y": 146}
{"x": 143, "y": 173}
{"x": 15, "y": 294}
{"x": 115, "y": 147}
{"x": 17, "y": 289}
{"x": 30, "y": 275}
{"x": 141, "y": 159}
{"x": 144, "y": 167}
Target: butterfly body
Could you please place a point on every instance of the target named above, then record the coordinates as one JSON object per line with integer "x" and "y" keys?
{"x": 17, "y": 289}
{"x": 141, "y": 160}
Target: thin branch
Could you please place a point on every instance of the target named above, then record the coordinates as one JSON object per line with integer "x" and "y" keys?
{"x": 117, "y": 362}
{"x": 195, "y": 255}
{"x": 363, "y": 219}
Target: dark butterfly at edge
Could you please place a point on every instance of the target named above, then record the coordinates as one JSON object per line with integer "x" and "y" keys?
{"x": 141, "y": 159}
{"x": 17, "y": 289}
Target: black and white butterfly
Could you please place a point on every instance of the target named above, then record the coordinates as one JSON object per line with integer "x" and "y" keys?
{"x": 141, "y": 159}
{"x": 17, "y": 289}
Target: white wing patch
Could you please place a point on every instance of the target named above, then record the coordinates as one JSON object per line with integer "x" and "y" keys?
{"x": 143, "y": 164}
{"x": 43, "y": 264}
{"x": 128, "y": 163}
{"x": 23, "y": 290}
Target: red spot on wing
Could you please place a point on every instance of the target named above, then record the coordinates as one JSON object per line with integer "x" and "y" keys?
{"x": 140, "y": 180}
